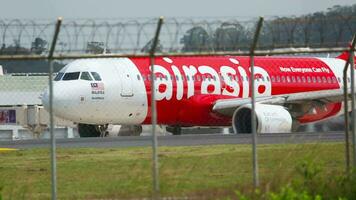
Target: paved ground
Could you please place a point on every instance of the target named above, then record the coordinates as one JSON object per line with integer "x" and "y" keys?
{"x": 182, "y": 140}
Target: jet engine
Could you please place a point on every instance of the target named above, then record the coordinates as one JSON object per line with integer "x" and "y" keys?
{"x": 269, "y": 119}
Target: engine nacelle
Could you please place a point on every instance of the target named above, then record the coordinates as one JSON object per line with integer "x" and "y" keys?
{"x": 269, "y": 119}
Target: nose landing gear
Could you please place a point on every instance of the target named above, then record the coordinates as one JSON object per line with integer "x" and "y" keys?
{"x": 89, "y": 130}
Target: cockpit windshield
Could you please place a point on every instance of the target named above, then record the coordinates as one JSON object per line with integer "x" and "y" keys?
{"x": 96, "y": 76}
{"x": 71, "y": 76}
{"x": 59, "y": 76}
{"x": 86, "y": 76}
{"x": 68, "y": 76}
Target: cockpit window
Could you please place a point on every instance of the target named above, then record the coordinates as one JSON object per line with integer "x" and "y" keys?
{"x": 59, "y": 76}
{"x": 86, "y": 76}
{"x": 96, "y": 76}
{"x": 71, "y": 76}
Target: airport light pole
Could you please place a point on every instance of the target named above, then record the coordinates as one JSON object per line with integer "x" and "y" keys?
{"x": 253, "y": 105}
{"x": 51, "y": 118}
{"x": 155, "y": 167}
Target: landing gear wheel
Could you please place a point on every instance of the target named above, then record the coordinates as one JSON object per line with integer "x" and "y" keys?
{"x": 89, "y": 130}
{"x": 175, "y": 130}
{"x": 102, "y": 130}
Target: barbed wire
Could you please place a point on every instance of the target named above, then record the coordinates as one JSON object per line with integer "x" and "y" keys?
{"x": 26, "y": 37}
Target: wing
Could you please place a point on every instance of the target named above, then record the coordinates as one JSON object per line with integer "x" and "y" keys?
{"x": 305, "y": 99}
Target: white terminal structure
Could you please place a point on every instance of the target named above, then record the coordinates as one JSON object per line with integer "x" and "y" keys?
{"x": 21, "y": 114}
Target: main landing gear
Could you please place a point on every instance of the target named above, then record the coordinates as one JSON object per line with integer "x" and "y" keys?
{"x": 175, "y": 130}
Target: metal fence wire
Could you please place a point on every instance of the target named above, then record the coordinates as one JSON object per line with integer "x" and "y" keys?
{"x": 28, "y": 37}
{"x": 54, "y": 44}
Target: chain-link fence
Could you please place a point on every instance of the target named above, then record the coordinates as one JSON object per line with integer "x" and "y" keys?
{"x": 194, "y": 68}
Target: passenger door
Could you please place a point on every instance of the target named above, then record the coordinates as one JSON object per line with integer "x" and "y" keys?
{"x": 126, "y": 80}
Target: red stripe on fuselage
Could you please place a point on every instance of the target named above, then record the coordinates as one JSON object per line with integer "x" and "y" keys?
{"x": 194, "y": 106}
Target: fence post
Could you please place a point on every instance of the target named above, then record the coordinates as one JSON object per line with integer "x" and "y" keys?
{"x": 51, "y": 124}
{"x": 346, "y": 118}
{"x": 352, "y": 65}
{"x": 253, "y": 102}
{"x": 346, "y": 109}
{"x": 155, "y": 167}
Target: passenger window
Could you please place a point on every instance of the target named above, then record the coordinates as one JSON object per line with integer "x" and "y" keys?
{"x": 96, "y": 76}
{"x": 334, "y": 79}
{"x": 272, "y": 78}
{"x": 71, "y": 76}
{"x": 198, "y": 78}
{"x": 85, "y": 76}
{"x": 303, "y": 79}
{"x": 59, "y": 76}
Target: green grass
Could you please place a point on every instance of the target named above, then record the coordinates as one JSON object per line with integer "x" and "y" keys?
{"x": 214, "y": 171}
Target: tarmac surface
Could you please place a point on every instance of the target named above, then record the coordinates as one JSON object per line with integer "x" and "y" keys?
{"x": 179, "y": 140}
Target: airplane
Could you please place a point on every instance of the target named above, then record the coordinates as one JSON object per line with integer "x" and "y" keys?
{"x": 205, "y": 91}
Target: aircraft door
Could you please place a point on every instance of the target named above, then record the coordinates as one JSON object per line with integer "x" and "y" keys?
{"x": 126, "y": 80}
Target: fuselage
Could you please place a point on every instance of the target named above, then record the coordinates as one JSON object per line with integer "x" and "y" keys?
{"x": 186, "y": 87}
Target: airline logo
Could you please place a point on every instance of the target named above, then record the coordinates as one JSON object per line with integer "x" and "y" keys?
{"x": 231, "y": 80}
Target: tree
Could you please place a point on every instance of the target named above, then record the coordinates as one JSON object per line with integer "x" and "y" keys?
{"x": 230, "y": 37}
{"x": 196, "y": 39}
{"x": 96, "y": 48}
{"x": 38, "y": 46}
{"x": 148, "y": 46}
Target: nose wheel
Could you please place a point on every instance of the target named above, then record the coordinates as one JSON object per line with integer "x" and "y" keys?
{"x": 102, "y": 129}
{"x": 90, "y": 130}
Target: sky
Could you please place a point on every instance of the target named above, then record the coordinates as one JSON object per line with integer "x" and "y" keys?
{"x": 107, "y": 9}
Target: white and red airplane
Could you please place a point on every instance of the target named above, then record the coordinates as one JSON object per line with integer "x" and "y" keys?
{"x": 199, "y": 91}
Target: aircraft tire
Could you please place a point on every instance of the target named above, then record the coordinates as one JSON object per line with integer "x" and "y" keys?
{"x": 88, "y": 130}
{"x": 175, "y": 130}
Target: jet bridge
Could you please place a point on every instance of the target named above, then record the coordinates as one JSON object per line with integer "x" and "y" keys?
{"x": 21, "y": 114}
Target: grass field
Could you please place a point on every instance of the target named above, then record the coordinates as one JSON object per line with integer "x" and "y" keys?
{"x": 211, "y": 171}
